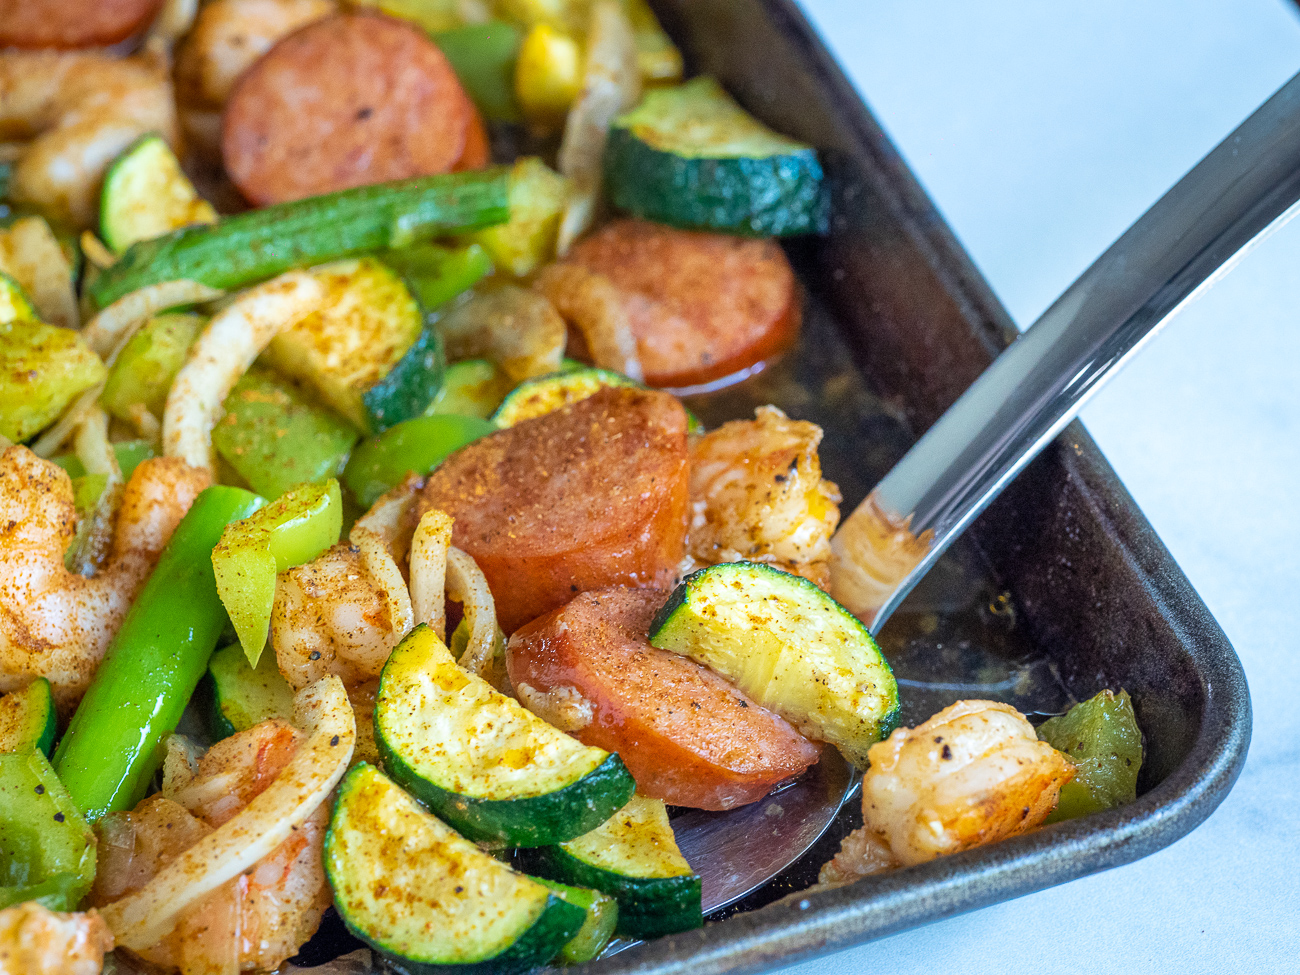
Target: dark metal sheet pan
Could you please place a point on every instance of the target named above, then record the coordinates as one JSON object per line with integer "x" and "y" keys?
{"x": 1095, "y": 591}
{"x": 897, "y": 323}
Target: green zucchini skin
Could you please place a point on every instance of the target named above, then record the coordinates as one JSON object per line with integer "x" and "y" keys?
{"x": 691, "y": 157}
{"x": 374, "y": 824}
{"x": 545, "y": 394}
{"x": 262, "y": 243}
{"x": 414, "y": 753}
{"x": 817, "y": 664}
{"x": 602, "y": 921}
{"x": 410, "y": 386}
{"x": 28, "y": 719}
{"x": 234, "y": 696}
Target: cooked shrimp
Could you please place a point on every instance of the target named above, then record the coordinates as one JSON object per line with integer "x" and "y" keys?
{"x": 80, "y": 109}
{"x": 259, "y": 918}
{"x": 758, "y": 495}
{"x": 975, "y": 773}
{"x": 54, "y": 623}
{"x": 344, "y": 612}
{"x": 228, "y": 36}
{"x": 38, "y": 941}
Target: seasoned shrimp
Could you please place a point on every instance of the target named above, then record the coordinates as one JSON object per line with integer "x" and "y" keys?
{"x": 259, "y": 918}
{"x": 757, "y": 495}
{"x": 54, "y": 623}
{"x": 228, "y": 36}
{"x": 975, "y": 773}
{"x": 343, "y": 613}
{"x": 80, "y": 109}
{"x": 38, "y": 941}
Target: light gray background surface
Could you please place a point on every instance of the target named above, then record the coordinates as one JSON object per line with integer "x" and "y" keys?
{"x": 1042, "y": 130}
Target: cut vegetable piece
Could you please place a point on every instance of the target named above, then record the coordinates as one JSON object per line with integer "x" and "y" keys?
{"x": 43, "y": 368}
{"x": 432, "y": 15}
{"x": 1102, "y": 738}
{"x": 657, "y": 58}
{"x": 437, "y": 274}
{"x": 146, "y": 195}
{"x": 415, "y": 891}
{"x": 32, "y": 254}
{"x": 380, "y": 463}
{"x": 147, "y": 365}
{"x": 348, "y": 100}
{"x": 515, "y": 327}
{"x": 369, "y": 321}
{"x": 548, "y": 75}
{"x": 789, "y": 646}
{"x": 129, "y": 453}
{"x": 537, "y": 397}
{"x": 274, "y": 438}
{"x": 702, "y": 306}
{"x": 527, "y": 240}
{"x": 28, "y": 719}
{"x": 480, "y": 761}
{"x": 590, "y": 496}
{"x": 290, "y": 531}
{"x": 687, "y": 736}
{"x": 633, "y": 857}
{"x": 596, "y": 930}
{"x": 47, "y": 853}
{"x": 474, "y": 387}
{"x": 689, "y": 156}
{"x": 483, "y": 56}
{"x": 260, "y": 244}
{"x": 238, "y": 696}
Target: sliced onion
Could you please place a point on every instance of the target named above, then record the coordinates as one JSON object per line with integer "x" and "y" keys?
{"x": 113, "y": 327}
{"x": 223, "y": 353}
{"x": 180, "y": 764}
{"x": 49, "y": 442}
{"x": 429, "y": 570}
{"x": 143, "y": 918}
{"x": 392, "y": 517}
{"x": 31, "y": 255}
{"x": 592, "y": 302}
{"x": 611, "y": 84}
{"x": 468, "y": 586}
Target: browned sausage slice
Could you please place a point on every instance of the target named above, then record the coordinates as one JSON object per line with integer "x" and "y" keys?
{"x": 687, "y": 736}
{"x": 72, "y": 23}
{"x": 702, "y": 306}
{"x": 346, "y": 101}
{"x": 592, "y": 495}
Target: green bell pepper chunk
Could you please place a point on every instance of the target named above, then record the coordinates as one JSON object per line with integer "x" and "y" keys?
{"x": 293, "y": 529}
{"x": 130, "y": 455}
{"x": 474, "y": 387}
{"x": 596, "y": 930}
{"x": 47, "y": 853}
{"x": 275, "y": 438}
{"x": 436, "y": 274}
{"x": 147, "y": 366}
{"x": 418, "y": 445}
{"x": 483, "y": 57}
{"x": 113, "y": 744}
{"x": 1102, "y": 738}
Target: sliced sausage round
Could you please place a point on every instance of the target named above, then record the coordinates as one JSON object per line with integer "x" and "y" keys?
{"x": 346, "y": 101}
{"x": 687, "y": 736}
{"x": 701, "y": 305}
{"x": 590, "y": 496}
{"x": 72, "y": 23}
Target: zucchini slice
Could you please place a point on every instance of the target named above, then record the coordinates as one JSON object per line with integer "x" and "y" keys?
{"x": 538, "y": 196}
{"x": 789, "y": 646}
{"x": 237, "y": 696}
{"x": 426, "y": 898}
{"x": 367, "y": 352}
{"x": 633, "y": 857}
{"x": 146, "y": 195}
{"x": 480, "y": 760}
{"x": 546, "y": 394}
{"x": 691, "y": 157}
{"x": 147, "y": 366}
{"x": 28, "y": 719}
{"x": 275, "y": 438}
{"x": 594, "y": 935}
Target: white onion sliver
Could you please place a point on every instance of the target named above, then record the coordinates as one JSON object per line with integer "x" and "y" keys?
{"x": 377, "y": 559}
{"x": 144, "y": 917}
{"x": 109, "y": 331}
{"x": 429, "y": 570}
{"x": 468, "y": 586}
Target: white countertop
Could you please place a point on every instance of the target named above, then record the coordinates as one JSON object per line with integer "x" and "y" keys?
{"x": 1041, "y": 131}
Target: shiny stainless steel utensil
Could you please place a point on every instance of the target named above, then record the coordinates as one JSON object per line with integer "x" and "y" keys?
{"x": 1246, "y": 186}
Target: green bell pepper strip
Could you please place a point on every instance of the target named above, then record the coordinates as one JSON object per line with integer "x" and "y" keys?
{"x": 293, "y": 529}
{"x": 471, "y": 387}
{"x": 47, "y": 852}
{"x": 113, "y": 744}
{"x": 130, "y": 455}
{"x": 260, "y": 244}
{"x": 483, "y": 57}
{"x": 437, "y": 274}
{"x": 1101, "y": 736}
{"x": 418, "y": 445}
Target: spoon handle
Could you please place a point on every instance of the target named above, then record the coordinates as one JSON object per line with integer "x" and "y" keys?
{"x": 1246, "y": 185}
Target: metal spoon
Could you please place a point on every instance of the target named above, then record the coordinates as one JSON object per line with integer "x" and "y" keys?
{"x": 1246, "y": 186}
